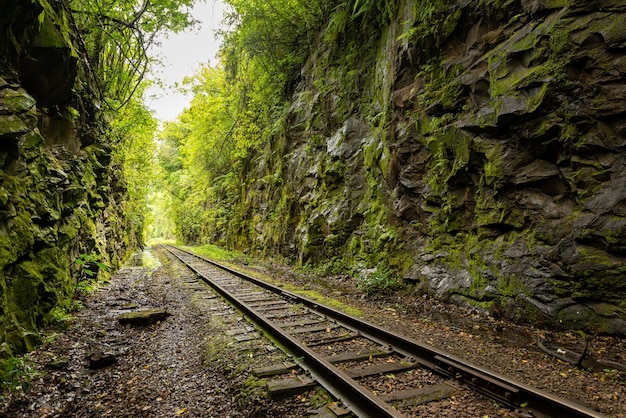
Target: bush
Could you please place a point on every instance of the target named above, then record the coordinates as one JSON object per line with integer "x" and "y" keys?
{"x": 378, "y": 281}
{"x": 16, "y": 373}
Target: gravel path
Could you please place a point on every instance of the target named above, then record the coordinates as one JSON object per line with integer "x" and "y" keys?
{"x": 181, "y": 366}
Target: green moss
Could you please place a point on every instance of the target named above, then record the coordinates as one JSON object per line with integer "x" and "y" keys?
{"x": 53, "y": 264}
{"x": 24, "y": 293}
{"x": 507, "y": 77}
{"x": 484, "y": 305}
{"x": 16, "y": 101}
{"x": 379, "y": 282}
{"x": 49, "y": 36}
{"x": 582, "y": 318}
{"x": 466, "y": 252}
{"x": 509, "y": 286}
{"x": 13, "y": 125}
{"x": 32, "y": 140}
{"x": 318, "y": 297}
{"x": 22, "y": 341}
{"x": 55, "y": 30}
{"x": 16, "y": 239}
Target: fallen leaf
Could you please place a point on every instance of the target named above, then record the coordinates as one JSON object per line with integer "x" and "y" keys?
{"x": 181, "y": 411}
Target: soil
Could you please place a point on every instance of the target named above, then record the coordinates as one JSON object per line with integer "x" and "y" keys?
{"x": 187, "y": 365}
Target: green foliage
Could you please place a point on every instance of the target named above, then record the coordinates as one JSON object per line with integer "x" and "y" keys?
{"x": 378, "y": 281}
{"x": 90, "y": 264}
{"x": 133, "y": 131}
{"x": 217, "y": 253}
{"x": 59, "y": 317}
{"x": 198, "y": 159}
{"x": 434, "y": 21}
{"x": 335, "y": 265}
{"x": 381, "y": 11}
{"x": 86, "y": 286}
{"x": 114, "y": 38}
{"x": 275, "y": 36}
{"x": 16, "y": 373}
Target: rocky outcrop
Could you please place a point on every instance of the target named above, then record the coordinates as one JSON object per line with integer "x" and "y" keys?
{"x": 478, "y": 151}
{"x": 537, "y": 202}
{"x": 56, "y": 175}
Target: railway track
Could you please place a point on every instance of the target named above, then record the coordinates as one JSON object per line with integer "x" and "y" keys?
{"x": 346, "y": 355}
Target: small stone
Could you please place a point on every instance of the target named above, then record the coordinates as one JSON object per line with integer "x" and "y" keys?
{"x": 98, "y": 360}
{"x": 143, "y": 317}
{"x": 58, "y": 363}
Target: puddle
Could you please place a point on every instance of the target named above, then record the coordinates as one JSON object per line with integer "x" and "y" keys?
{"x": 145, "y": 258}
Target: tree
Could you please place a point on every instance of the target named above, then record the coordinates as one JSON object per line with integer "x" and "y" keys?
{"x": 133, "y": 131}
{"x": 115, "y": 37}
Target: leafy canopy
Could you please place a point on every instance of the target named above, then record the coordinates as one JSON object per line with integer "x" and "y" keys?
{"x": 115, "y": 37}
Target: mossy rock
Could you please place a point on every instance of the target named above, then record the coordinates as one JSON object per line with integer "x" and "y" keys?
{"x": 21, "y": 341}
{"x": 14, "y": 102}
{"x": 12, "y": 126}
{"x": 585, "y": 317}
{"x": 17, "y": 238}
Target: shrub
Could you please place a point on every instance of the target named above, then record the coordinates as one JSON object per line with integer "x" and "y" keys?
{"x": 16, "y": 373}
{"x": 378, "y": 281}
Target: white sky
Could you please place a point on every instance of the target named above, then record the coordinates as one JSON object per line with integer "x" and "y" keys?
{"x": 182, "y": 55}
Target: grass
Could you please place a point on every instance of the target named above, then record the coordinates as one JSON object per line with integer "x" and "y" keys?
{"x": 216, "y": 253}
{"x": 324, "y": 300}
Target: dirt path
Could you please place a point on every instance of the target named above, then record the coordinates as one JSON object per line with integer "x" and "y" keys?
{"x": 176, "y": 367}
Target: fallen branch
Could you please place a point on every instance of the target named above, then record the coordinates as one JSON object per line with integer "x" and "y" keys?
{"x": 575, "y": 361}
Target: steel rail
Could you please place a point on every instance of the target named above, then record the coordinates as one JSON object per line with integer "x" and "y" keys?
{"x": 357, "y": 398}
{"x": 508, "y": 391}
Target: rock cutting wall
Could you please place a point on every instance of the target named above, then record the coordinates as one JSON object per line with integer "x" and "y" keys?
{"x": 484, "y": 160}
{"x": 60, "y": 195}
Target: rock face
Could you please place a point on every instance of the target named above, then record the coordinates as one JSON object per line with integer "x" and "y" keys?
{"x": 56, "y": 175}
{"x": 483, "y": 158}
